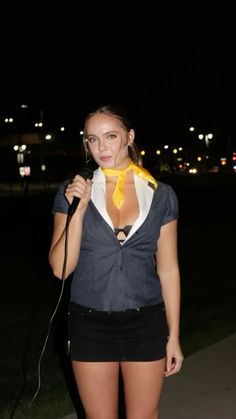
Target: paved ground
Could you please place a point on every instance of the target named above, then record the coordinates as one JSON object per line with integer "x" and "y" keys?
{"x": 205, "y": 388}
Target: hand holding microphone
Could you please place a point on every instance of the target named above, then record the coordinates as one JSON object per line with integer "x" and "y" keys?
{"x": 79, "y": 190}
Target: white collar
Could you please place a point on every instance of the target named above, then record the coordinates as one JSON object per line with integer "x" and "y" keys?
{"x": 144, "y": 196}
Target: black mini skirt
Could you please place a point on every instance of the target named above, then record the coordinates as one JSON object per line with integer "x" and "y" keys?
{"x": 131, "y": 335}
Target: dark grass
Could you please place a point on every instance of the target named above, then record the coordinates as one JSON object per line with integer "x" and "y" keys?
{"x": 29, "y": 294}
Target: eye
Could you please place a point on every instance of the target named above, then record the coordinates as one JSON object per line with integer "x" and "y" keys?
{"x": 111, "y": 136}
{"x": 91, "y": 140}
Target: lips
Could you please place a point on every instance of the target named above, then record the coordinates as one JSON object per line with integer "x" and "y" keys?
{"x": 105, "y": 158}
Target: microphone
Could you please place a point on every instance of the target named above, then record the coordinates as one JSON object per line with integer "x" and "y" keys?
{"x": 87, "y": 173}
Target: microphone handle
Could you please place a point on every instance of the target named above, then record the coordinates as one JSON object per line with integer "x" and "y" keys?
{"x": 74, "y": 204}
{"x": 87, "y": 173}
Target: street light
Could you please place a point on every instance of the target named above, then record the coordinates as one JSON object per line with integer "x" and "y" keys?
{"x": 20, "y": 153}
{"x": 207, "y": 138}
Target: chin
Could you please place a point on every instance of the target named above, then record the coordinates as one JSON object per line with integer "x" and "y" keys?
{"x": 106, "y": 165}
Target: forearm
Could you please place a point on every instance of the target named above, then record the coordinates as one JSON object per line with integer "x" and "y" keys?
{"x": 171, "y": 297}
{"x": 57, "y": 251}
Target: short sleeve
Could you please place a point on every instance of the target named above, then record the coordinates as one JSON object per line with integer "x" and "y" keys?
{"x": 60, "y": 203}
{"x": 171, "y": 208}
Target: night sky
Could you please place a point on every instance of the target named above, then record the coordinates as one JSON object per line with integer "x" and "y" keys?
{"x": 170, "y": 70}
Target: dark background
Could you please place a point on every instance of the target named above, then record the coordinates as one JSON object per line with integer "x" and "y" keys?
{"x": 171, "y": 66}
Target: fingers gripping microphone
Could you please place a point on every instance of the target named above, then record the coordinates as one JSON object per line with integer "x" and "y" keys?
{"x": 87, "y": 173}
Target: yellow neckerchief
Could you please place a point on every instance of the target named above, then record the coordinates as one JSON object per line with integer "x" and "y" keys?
{"x": 118, "y": 194}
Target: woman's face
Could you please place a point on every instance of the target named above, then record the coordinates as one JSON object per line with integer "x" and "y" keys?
{"x": 107, "y": 141}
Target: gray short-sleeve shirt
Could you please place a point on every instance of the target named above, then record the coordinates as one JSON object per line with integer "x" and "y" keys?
{"x": 111, "y": 276}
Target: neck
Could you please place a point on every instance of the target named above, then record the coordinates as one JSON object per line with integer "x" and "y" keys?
{"x": 122, "y": 165}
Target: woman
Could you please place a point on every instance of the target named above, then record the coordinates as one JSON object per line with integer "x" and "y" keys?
{"x": 125, "y": 294}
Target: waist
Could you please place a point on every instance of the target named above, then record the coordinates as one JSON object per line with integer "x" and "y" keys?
{"x": 143, "y": 309}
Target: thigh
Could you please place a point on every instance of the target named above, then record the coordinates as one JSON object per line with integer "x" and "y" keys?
{"x": 97, "y": 384}
{"x": 142, "y": 383}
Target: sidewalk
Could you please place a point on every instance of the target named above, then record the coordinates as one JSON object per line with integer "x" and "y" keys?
{"x": 24, "y": 186}
{"x": 205, "y": 388}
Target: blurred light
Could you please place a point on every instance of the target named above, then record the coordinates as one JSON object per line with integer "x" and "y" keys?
{"x": 175, "y": 151}
{"x": 193, "y": 171}
{"x": 48, "y": 137}
{"x": 142, "y": 153}
{"x": 20, "y": 158}
{"x": 43, "y": 167}
{"x": 24, "y": 171}
{"x": 166, "y": 146}
{"x": 62, "y": 129}
{"x": 191, "y": 129}
{"x": 223, "y": 161}
{"x": 27, "y": 170}
{"x": 207, "y": 138}
{"x": 165, "y": 167}
{"x": 20, "y": 147}
{"x": 158, "y": 151}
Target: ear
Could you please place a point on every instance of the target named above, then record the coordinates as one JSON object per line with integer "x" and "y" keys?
{"x": 131, "y": 136}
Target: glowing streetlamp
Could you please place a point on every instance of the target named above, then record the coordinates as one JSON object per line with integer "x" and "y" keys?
{"x": 206, "y": 137}
{"x": 20, "y": 153}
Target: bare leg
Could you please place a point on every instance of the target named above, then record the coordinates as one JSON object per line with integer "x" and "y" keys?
{"x": 97, "y": 384}
{"x": 142, "y": 387}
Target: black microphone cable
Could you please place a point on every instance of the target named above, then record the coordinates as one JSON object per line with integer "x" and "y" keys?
{"x": 66, "y": 230}
{"x": 13, "y": 410}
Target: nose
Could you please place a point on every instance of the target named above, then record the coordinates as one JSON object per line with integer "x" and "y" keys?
{"x": 102, "y": 144}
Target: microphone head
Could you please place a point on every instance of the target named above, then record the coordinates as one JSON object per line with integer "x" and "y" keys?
{"x": 86, "y": 172}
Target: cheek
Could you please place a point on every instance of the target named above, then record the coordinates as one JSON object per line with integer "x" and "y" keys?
{"x": 125, "y": 148}
{"x": 92, "y": 148}
{"x": 122, "y": 146}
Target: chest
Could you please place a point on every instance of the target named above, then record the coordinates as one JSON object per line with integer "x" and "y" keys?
{"x": 129, "y": 211}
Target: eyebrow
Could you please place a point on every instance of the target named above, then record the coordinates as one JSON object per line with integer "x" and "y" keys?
{"x": 105, "y": 133}
{"x": 109, "y": 132}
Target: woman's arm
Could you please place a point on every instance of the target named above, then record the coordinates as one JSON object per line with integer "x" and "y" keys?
{"x": 168, "y": 271}
{"x": 82, "y": 189}
{"x": 57, "y": 248}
